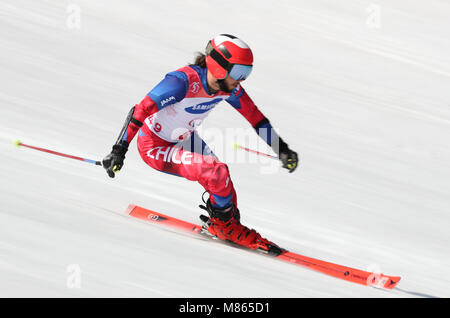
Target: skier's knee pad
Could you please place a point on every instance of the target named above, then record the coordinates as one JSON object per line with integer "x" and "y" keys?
{"x": 221, "y": 180}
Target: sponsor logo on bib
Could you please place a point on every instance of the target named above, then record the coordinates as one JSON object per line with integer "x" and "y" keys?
{"x": 203, "y": 107}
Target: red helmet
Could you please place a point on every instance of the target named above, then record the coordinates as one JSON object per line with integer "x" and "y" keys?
{"x": 229, "y": 55}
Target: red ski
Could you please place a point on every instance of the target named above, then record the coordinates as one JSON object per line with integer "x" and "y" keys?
{"x": 339, "y": 271}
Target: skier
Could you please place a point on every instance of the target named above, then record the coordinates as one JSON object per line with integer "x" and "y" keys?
{"x": 165, "y": 121}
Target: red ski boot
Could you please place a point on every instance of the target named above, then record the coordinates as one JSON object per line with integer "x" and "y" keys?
{"x": 225, "y": 225}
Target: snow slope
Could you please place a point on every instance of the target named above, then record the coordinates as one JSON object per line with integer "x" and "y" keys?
{"x": 360, "y": 89}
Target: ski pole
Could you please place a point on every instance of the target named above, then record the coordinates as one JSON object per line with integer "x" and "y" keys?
{"x": 237, "y": 146}
{"x": 18, "y": 143}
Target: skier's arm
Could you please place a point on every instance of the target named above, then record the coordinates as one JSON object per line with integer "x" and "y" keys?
{"x": 240, "y": 100}
{"x": 113, "y": 162}
{"x": 170, "y": 90}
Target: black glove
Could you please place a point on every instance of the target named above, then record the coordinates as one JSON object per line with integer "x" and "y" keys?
{"x": 288, "y": 157}
{"x": 114, "y": 161}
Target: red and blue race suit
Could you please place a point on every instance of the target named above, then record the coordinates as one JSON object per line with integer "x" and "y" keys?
{"x": 166, "y": 120}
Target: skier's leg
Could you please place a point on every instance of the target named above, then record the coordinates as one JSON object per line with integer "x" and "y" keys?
{"x": 193, "y": 160}
{"x": 200, "y": 164}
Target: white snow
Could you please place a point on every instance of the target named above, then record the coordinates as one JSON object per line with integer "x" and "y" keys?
{"x": 360, "y": 89}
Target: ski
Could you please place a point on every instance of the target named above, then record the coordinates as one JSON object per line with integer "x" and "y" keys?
{"x": 339, "y": 271}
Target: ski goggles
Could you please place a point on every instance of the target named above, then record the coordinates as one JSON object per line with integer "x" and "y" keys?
{"x": 240, "y": 72}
